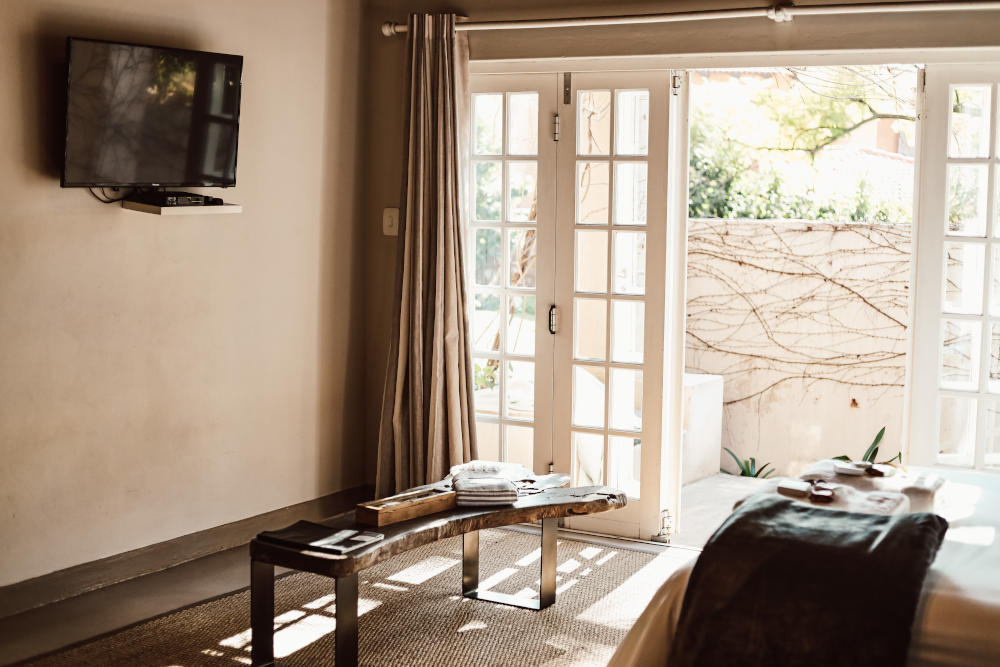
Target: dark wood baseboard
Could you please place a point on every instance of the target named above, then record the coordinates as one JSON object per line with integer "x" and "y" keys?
{"x": 97, "y": 574}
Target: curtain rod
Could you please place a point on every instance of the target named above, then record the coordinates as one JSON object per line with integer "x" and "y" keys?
{"x": 777, "y": 13}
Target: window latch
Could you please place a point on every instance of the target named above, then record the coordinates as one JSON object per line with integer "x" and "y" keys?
{"x": 553, "y": 319}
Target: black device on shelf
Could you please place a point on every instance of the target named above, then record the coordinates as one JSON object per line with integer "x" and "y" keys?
{"x": 167, "y": 198}
{"x": 150, "y": 117}
{"x": 173, "y": 198}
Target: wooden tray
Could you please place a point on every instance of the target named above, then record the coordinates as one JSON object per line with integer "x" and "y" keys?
{"x": 420, "y": 501}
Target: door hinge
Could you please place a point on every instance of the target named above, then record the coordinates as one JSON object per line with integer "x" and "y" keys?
{"x": 666, "y": 528}
{"x": 567, "y": 88}
{"x": 555, "y": 127}
{"x": 922, "y": 94}
{"x": 553, "y": 319}
{"x": 676, "y": 81}
{"x": 552, "y": 468}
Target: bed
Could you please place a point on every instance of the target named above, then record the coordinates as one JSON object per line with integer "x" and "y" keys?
{"x": 958, "y": 620}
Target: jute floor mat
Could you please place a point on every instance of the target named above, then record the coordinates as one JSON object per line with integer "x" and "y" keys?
{"x": 412, "y": 613}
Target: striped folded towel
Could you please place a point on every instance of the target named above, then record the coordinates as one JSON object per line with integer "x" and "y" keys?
{"x": 484, "y": 491}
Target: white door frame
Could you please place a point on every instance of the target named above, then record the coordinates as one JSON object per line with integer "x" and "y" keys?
{"x": 920, "y": 418}
{"x": 688, "y": 61}
{"x": 665, "y": 271}
{"x": 640, "y": 518}
{"x": 675, "y": 309}
{"x": 928, "y": 294}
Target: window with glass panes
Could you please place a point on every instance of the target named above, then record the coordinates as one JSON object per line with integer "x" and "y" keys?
{"x": 957, "y": 367}
{"x": 503, "y": 272}
{"x": 609, "y": 291}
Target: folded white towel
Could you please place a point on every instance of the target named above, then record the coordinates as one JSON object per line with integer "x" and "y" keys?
{"x": 484, "y": 486}
{"x": 488, "y": 494}
{"x": 478, "y": 468}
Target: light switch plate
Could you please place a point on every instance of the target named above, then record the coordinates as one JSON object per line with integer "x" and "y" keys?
{"x": 390, "y": 221}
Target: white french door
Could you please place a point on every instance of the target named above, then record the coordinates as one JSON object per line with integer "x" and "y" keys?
{"x": 955, "y": 411}
{"x": 579, "y": 223}
{"x": 511, "y": 265}
{"x": 610, "y": 284}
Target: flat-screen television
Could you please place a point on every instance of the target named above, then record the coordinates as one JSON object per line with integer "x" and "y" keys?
{"x": 148, "y": 116}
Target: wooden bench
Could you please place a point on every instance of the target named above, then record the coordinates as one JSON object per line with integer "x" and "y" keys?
{"x": 547, "y": 506}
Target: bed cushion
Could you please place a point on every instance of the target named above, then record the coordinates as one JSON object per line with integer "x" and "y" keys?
{"x": 784, "y": 583}
{"x": 959, "y": 612}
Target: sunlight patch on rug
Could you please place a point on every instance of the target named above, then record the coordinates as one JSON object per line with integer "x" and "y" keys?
{"x": 622, "y": 606}
{"x": 424, "y": 570}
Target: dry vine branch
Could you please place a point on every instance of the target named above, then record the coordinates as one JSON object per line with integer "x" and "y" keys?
{"x": 769, "y": 303}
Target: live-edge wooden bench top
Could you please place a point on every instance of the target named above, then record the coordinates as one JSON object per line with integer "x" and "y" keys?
{"x": 406, "y": 535}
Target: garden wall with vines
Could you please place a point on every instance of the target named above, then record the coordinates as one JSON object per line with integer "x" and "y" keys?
{"x": 806, "y": 322}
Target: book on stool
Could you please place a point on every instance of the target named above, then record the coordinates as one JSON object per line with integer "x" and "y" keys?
{"x": 316, "y": 536}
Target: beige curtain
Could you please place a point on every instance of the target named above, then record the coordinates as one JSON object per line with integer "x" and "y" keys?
{"x": 427, "y": 409}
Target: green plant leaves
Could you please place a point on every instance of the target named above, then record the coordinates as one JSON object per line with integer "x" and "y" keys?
{"x": 739, "y": 463}
{"x": 748, "y": 467}
{"x": 872, "y": 451}
{"x": 898, "y": 457}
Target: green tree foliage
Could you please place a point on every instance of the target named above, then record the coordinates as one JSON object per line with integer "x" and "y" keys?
{"x": 802, "y": 113}
{"x": 817, "y": 106}
{"x": 725, "y": 179}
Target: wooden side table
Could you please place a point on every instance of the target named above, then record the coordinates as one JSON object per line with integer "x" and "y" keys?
{"x": 547, "y": 506}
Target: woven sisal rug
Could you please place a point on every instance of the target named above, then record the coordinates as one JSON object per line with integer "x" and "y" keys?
{"x": 412, "y": 613}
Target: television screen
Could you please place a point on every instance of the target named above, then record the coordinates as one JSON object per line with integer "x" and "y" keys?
{"x": 150, "y": 116}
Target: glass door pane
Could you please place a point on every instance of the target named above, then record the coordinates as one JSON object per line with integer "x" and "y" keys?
{"x": 510, "y": 245}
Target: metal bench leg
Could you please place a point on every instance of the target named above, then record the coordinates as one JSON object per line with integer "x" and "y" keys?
{"x": 261, "y": 613}
{"x": 470, "y": 563}
{"x": 347, "y": 621}
{"x": 547, "y": 581}
{"x": 547, "y": 589}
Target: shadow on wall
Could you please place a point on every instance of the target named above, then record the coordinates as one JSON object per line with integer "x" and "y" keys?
{"x": 341, "y": 375}
{"x": 43, "y": 72}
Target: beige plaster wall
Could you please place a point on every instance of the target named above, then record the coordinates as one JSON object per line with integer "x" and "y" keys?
{"x": 385, "y": 104}
{"x": 163, "y": 376}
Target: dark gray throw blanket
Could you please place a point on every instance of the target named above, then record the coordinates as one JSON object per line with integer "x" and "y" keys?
{"x": 784, "y": 583}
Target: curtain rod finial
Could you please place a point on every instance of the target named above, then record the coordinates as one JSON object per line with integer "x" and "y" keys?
{"x": 390, "y": 29}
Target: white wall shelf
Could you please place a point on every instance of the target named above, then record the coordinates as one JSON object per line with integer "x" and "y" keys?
{"x": 182, "y": 210}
